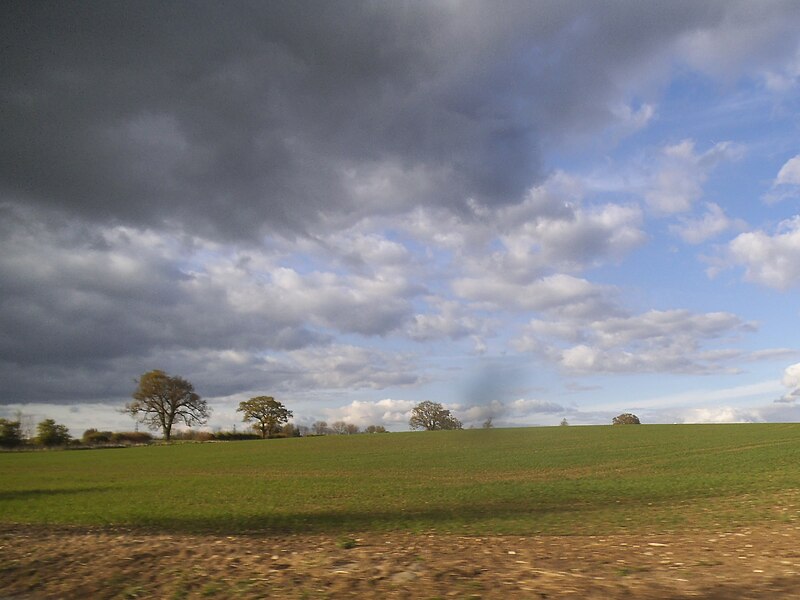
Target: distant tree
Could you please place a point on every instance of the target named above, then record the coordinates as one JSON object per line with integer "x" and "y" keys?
{"x": 351, "y": 429}
{"x": 375, "y": 429}
{"x": 290, "y": 430}
{"x": 269, "y": 414}
{"x": 564, "y": 422}
{"x": 319, "y": 427}
{"x": 160, "y": 401}
{"x": 431, "y": 416}
{"x": 626, "y": 419}
{"x": 10, "y": 433}
{"x": 50, "y": 433}
{"x": 339, "y": 427}
{"x": 487, "y": 424}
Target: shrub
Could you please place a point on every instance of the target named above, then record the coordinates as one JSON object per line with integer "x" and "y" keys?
{"x": 192, "y": 435}
{"x": 229, "y": 436}
{"x": 92, "y": 436}
{"x": 131, "y": 437}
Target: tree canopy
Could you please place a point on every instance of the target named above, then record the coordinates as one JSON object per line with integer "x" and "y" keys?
{"x": 50, "y": 433}
{"x": 160, "y": 400}
{"x": 431, "y": 416}
{"x": 626, "y": 419}
{"x": 10, "y": 433}
{"x": 269, "y": 414}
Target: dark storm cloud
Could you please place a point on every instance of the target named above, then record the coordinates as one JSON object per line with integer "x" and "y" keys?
{"x": 234, "y": 118}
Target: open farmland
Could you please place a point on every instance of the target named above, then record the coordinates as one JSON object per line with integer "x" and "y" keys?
{"x": 421, "y": 490}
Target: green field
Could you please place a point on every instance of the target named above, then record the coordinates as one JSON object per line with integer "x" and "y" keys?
{"x": 562, "y": 480}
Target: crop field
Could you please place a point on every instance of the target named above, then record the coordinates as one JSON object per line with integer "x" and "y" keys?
{"x": 629, "y": 512}
{"x": 555, "y": 480}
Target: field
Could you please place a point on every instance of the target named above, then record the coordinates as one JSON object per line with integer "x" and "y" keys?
{"x": 626, "y": 483}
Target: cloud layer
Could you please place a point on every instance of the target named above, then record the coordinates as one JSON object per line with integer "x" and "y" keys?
{"x": 313, "y": 199}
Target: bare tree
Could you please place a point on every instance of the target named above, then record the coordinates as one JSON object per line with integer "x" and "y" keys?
{"x": 160, "y": 400}
{"x": 431, "y": 416}
{"x": 319, "y": 427}
{"x": 339, "y": 427}
{"x": 269, "y": 414}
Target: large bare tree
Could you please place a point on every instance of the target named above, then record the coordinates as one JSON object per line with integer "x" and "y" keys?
{"x": 161, "y": 400}
{"x": 268, "y": 414}
{"x": 432, "y": 415}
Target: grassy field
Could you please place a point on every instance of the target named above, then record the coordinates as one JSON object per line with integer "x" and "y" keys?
{"x": 562, "y": 480}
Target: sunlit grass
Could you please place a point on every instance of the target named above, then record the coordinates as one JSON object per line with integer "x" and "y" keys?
{"x": 566, "y": 480}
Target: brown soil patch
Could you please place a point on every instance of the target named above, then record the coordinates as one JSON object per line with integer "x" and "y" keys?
{"x": 38, "y": 562}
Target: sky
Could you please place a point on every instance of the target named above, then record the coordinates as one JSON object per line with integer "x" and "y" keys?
{"x": 527, "y": 211}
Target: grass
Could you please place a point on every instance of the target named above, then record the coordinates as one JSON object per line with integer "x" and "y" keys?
{"x": 563, "y": 480}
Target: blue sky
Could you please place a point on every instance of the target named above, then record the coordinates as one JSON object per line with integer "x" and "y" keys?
{"x": 525, "y": 211}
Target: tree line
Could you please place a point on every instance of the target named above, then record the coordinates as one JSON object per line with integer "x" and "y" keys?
{"x": 49, "y": 434}
{"x": 161, "y": 401}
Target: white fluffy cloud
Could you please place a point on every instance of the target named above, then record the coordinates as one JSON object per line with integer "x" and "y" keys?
{"x": 446, "y": 319}
{"x": 350, "y": 367}
{"x": 720, "y": 414}
{"x": 395, "y": 413}
{"x": 785, "y": 77}
{"x": 786, "y": 184}
{"x": 672, "y": 341}
{"x": 553, "y": 229}
{"x": 791, "y": 379}
{"x": 523, "y": 411}
{"x": 678, "y": 184}
{"x": 789, "y": 173}
{"x": 711, "y": 224}
{"x": 555, "y": 294}
{"x": 631, "y": 119}
{"x": 391, "y": 413}
{"x": 770, "y": 260}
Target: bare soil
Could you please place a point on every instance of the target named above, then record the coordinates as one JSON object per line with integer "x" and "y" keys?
{"x": 37, "y": 562}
